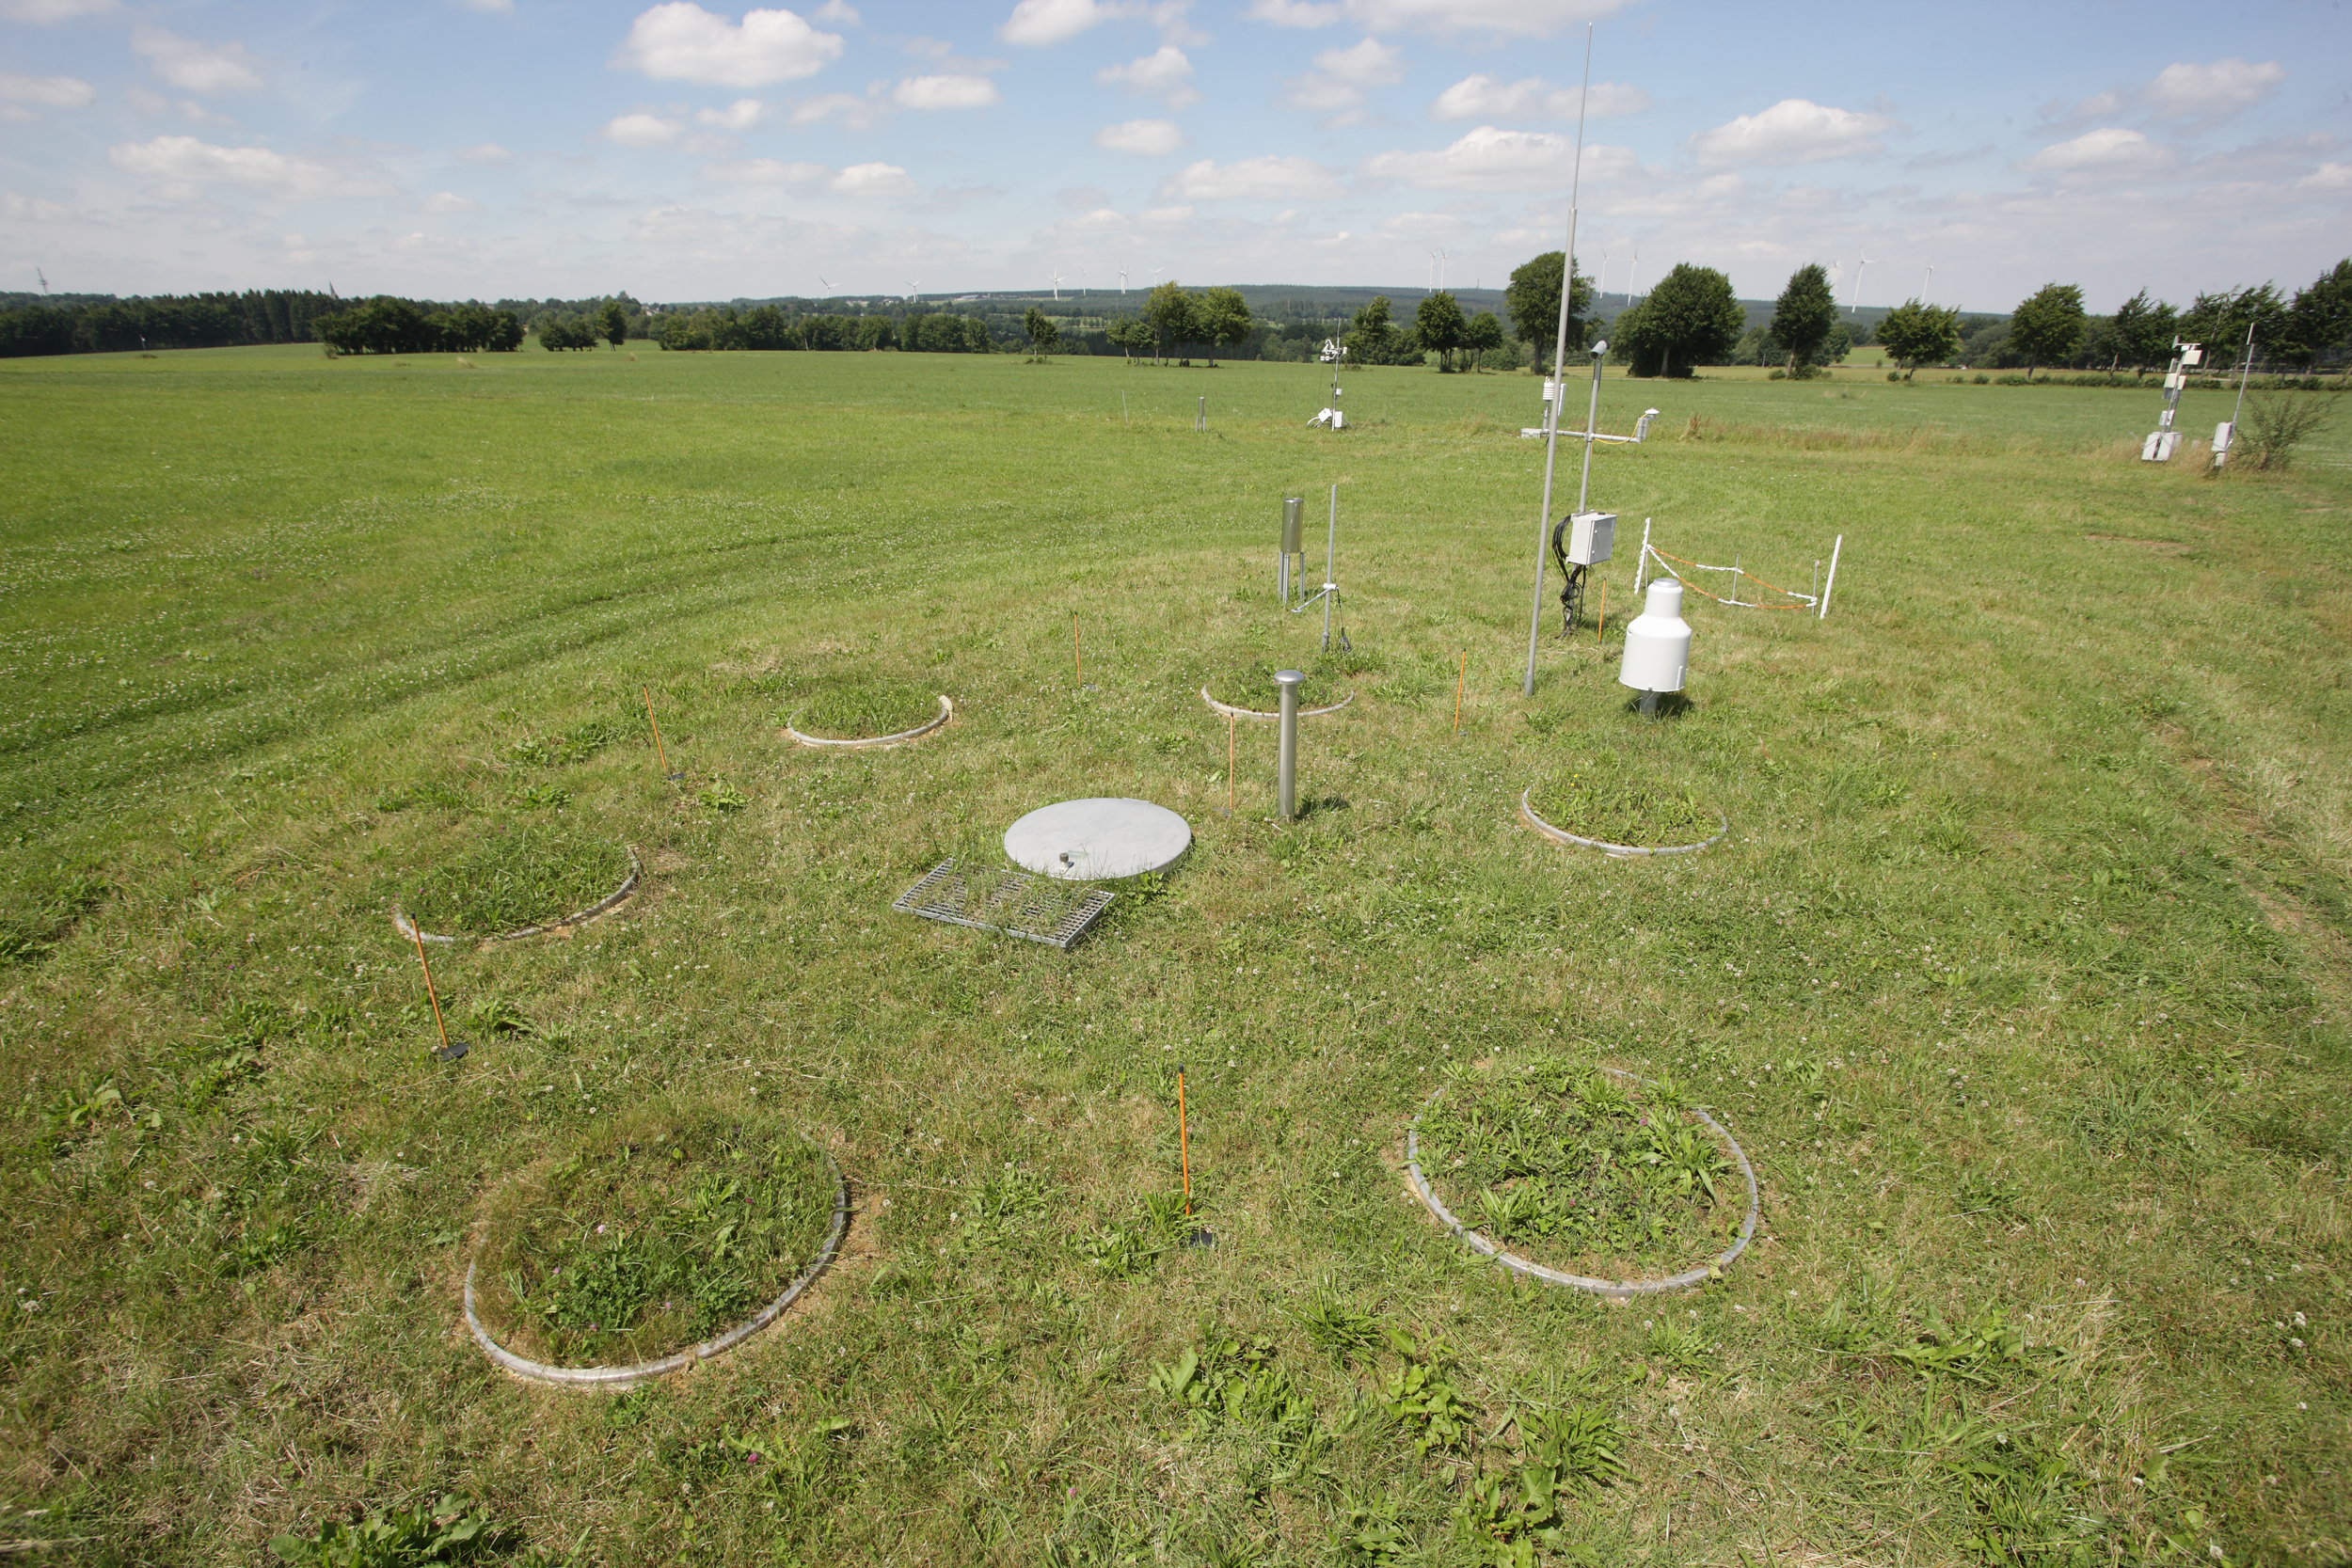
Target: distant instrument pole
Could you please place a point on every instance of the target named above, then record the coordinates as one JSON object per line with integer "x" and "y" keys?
{"x": 1559, "y": 368}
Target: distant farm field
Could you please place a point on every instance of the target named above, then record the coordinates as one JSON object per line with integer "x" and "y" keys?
{"x": 2021, "y": 977}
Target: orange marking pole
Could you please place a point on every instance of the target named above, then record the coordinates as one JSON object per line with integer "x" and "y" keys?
{"x": 1183, "y": 1141}
{"x": 430, "y": 994}
{"x": 660, "y": 756}
{"x": 1228, "y": 765}
{"x": 1601, "y": 624}
{"x": 1460, "y": 678}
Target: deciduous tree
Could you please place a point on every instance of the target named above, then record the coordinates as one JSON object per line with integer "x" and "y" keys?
{"x": 1221, "y": 317}
{"x": 1691, "y": 317}
{"x": 1043, "y": 334}
{"x": 2144, "y": 330}
{"x": 1439, "y": 323}
{"x": 1914, "y": 335}
{"x": 1802, "y": 316}
{"x": 1483, "y": 335}
{"x": 1533, "y": 301}
{"x": 2047, "y": 325}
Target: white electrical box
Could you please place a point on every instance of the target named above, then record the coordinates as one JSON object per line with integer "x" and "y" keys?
{"x": 1590, "y": 536}
{"x": 2221, "y": 434}
{"x": 2175, "y": 381}
{"x": 2158, "y": 447}
{"x": 2192, "y": 355}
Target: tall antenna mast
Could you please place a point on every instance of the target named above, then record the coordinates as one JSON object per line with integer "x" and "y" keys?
{"x": 1559, "y": 365}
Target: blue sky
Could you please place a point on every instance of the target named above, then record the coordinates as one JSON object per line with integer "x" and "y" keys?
{"x": 488, "y": 148}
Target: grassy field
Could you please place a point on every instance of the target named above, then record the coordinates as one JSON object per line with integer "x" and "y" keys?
{"x": 2023, "y": 976}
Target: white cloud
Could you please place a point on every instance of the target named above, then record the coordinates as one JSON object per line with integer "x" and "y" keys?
{"x": 2110, "y": 149}
{"x": 1491, "y": 99}
{"x": 682, "y": 42}
{"x": 1293, "y": 13}
{"x": 1794, "y": 131}
{"x": 482, "y": 153}
{"x": 48, "y": 92}
{"x": 2327, "y": 177}
{"x": 16, "y": 209}
{"x": 2210, "y": 92}
{"x": 1149, "y": 138}
{"x": 946, "y": 92}
{"x": 764, "y": 171}
{"x": 49, "y": 12}
{"x": 185, "y": 162}
{"x": 1443, "y": 18}
{"x": 448, "y": 201}
{"x": 1489, "y": 159}
{"x": 1341, "y": 75}
{"x": 1039, "y": 23}
{"x": 1267, "y": 179}
{"x": 1166, "y": 73}
{"x": 640, "y": 129}
{"x": 742, "y": 115}
{"x": 494, "y": 8}
{"x": 196, "y": 66}
{"x": 151, "y": 103}
{"x": 880, "y": 180}
{"x": 837, "y": 13}
{"x": 848, "y": 108}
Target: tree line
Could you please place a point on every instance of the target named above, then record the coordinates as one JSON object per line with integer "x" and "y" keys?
{"x": 107, "y": 326}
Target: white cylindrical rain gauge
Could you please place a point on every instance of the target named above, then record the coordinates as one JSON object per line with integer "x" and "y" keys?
{"x": 1658, "y": 643}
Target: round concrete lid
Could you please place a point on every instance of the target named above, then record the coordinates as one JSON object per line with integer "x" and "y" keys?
{"x": 1098, "y": 840}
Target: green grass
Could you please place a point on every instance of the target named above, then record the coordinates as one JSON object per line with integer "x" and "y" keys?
{"x": 853, "y": 706}
{"x": 517, "y": 874}
{"x": 1625, "y": 800}
{"x": 650, "y": 1236}
{"x": 1579, "y": 1171}
{"x": 2021, "y": 975}
{"x": 1329, "y": 679}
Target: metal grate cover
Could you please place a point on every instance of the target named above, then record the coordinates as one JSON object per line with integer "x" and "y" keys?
{"x": 1013, "y": 902}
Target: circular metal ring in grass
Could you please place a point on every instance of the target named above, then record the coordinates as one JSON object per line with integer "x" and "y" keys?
{"x": 1232, "y": 712}
{"x": 1561, "y": 835}
{"x": 671, "y": 1229}
{"x": 515, "y": 883}
{"x": 1563, "y": 1158}
{"x": 854, "y": 716}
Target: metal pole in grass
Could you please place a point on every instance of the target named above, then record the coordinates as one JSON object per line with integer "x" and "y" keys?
{"x": 1461, "y": 677}
{"x": 1076, "y": 657}
{"x": 1228, "y": 765}
{"x": 1838, "y": 545}
{"x": 2221, "y": 452}
{"x": 431, "y": 995}
{"x": 659, "y": 754}
{"x": 1559, "y": 370}
{"x": 1602, "y": 624}
{"x": 1183, "y": 1139}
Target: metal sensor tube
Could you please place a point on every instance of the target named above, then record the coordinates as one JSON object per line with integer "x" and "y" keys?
{"x": 1286, "y": 785}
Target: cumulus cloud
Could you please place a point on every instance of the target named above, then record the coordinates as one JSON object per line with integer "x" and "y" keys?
{"x": 47, "y": 93}
{"x": 2327, "y": 177}
{"x": 494, "y": 8}
{"x": 946, "y": 92}
{"x": 2211, "y": 93}
{"x": 50, "y": 12}
{"x": 1491, "y": 99}
{"x": 1039, "y": 23}
{"x": 845, "y": 108}
{"x": 197, "y": 67}
{"x": 1149, "y": 138}
{"x": 2111, "y": 149}
{"x": 640, "y": 129}
{"x": 482, "y": 153}
{"x": 1267, "y": 179}
{"x": 1341, "y": 75}
{"x": 872, "y": 180}
{"x": 837, "y": 14}
{"x": 1794, "y": 131}
{"x": 742, "y": 115}
{"x": 448, "y": 201}
{"x": 682, "y": 42}
{"x": 1442, "y": 18}
{"x": 1490, "y": 159}
{"x": 1166, "y": 73}
{"x": 764, "y": 171}
{"x": 184, "y": 162}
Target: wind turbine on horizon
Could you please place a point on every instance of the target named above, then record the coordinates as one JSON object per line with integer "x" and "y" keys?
{"x": 915, "y": 294}
{"x": 1123, "y": 280}
{"x": 44, "y": 279}
{"x": 1853, "y": 299}
{"x": 1442, "y": 272}
{"x": 1924, "y": 282}
{"x": 1057, "y": 282}
{"x": 828, "y": 286}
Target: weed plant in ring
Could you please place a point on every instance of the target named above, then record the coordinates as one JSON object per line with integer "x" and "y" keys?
{"x": 524, "y": 874}
{"x": 854, "y": 705}
{"x": 1600, "y": 797}
{"x": 1577, "y": 1169}
{"x": 652, "y": 1236}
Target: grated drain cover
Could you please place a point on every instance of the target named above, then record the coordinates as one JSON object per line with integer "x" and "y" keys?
{"x": 1013, "y": 902}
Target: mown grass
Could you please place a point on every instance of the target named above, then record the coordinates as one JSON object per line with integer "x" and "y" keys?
{"x": 849, "y": 706}
{"x": 2021, "y": 975}
{"x": 1624, "y": 800}
{"x": 517, "y": 874}
{"x": 661, "y": 1228}
{"x": 1580, "y": 1171}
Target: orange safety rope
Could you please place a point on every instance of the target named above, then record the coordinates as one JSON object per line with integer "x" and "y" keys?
{"x": 1698, "y": 566}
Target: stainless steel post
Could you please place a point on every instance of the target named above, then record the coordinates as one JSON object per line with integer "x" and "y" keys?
{"x": 1286, "y": 783}
{"x": 1330, "y": 554}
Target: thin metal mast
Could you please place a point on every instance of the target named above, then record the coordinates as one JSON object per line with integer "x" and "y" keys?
{"x": 1559, "y": 367}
